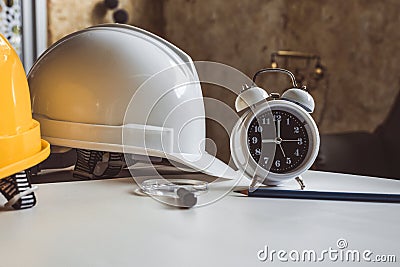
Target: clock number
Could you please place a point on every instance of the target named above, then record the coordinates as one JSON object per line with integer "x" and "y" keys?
{"x": 288, "y": 161}
{"x": 296, "y": 130}
{"x": 288, "y": 121}
{"x": 299, "y": 141}
{"x": 277, "y": 163}
{"x": 258, "y": 151}
{"x": 254, "y": 140}
{"x": 265, "y": 121}
{"x": 277, "y": 117}
{"x": 258, "y": 129}
{"x": 266, "y": 160}
{"x": 297, "y": 153}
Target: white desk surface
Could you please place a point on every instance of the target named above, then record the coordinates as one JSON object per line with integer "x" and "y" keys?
{"x": 103, "y": 223}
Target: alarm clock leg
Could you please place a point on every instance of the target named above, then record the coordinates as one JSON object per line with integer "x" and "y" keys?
{"x": 300, "y": 181}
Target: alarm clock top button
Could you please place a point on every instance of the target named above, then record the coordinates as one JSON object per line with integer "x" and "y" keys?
{"x": 250, "y": 96}
{"x": 300, "y": 97}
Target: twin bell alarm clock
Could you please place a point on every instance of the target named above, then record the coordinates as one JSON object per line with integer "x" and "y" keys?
{"x": 276, "y": 139}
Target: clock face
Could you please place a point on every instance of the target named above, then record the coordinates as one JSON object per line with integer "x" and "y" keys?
{"x": 291, "y": 141}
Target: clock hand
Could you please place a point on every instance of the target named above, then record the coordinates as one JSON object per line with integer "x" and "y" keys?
{"x": 292, "y": 140}
{"x": 276, "y": 141}
{"x": 283, "y": 152}
{"x": 269, "y": 141}
{"x": 278, "y": 129}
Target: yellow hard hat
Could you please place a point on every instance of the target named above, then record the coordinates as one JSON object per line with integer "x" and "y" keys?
{"x": 20, "y": 144}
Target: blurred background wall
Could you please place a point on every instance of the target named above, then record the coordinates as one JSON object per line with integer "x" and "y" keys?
{"x": 356, "y": 39}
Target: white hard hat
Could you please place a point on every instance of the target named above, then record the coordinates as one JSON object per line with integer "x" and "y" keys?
{"x": 82, "y": 86}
